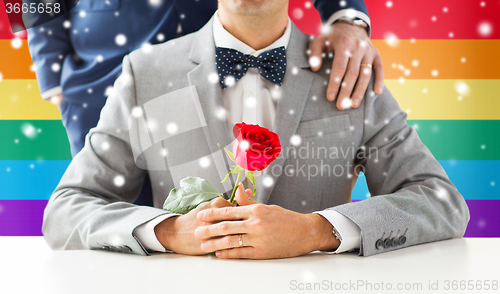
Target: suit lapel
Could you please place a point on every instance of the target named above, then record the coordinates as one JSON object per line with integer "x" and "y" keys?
{"x": 210, "y": 96}
{"x": 296, "y": 86}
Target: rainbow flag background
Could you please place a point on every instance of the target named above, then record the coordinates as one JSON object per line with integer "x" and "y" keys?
{"x": 441, "y": 61}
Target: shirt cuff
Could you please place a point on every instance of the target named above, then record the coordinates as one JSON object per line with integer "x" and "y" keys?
{"x": 146, "y": 233}
{"x": 350, "y": 233}
{"x": 51, "y": 92}
{"x": 353, "y": 14}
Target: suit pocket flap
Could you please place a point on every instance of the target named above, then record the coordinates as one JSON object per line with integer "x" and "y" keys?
{"x": 324, "y": 126}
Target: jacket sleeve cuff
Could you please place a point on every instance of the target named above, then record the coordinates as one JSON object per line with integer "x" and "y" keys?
{"x": 145, "y": 233}
{"x": 350, "y": 233}
{"x": 46, "y": 95}
{"x": 352, "y": 14}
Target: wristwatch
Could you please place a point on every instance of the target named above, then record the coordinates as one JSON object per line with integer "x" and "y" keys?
{"x": 355, "y": 22}
{"x": 337, "y": 234}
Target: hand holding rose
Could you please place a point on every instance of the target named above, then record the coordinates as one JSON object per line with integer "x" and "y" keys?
{"x": 176, "y": 233}
{"x": 268, "y": 231}
{"x": 253, "y": 230}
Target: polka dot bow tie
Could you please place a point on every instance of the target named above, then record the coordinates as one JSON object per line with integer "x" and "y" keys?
{"x": 232, "y": 65}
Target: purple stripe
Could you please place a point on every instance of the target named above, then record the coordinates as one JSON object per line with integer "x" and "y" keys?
{"x": 24, "y": 218}
{"x": 484, "y": 218}
{"x": 21, "y": 217}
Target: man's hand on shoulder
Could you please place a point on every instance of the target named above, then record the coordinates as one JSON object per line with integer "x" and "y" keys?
{"x": 57, "y": 100}
{"x": 267, "y": 231}
{"x": 177, "y": 233}
{"x": 353, "y": 54}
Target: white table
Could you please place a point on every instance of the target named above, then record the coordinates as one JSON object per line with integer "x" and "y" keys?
{"x": 27, "y": 265}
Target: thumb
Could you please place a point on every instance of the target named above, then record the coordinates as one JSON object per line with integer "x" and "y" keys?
{"x": 244, "y": 197}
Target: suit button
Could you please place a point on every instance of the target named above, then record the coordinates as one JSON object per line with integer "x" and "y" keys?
{"x": 127, "y": 249}
{"x": 402, "y": 240}
{"x": 379, "y": 244}
{"x": 395, "y": 241}
{"x": 387, "y": 243}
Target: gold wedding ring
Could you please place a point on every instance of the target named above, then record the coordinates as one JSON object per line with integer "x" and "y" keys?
{"x": 366, "y": 64}
{"x": 241, "y": 241}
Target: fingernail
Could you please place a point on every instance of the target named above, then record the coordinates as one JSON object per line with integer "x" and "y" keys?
{"x": 217, "y": 253}
{"x": 355, "y": 103}
{"x": 346, "y": 103}
{"x": 203, "y": 246}
{"x": 331, "y": 97}
{"x": 197, "y": 233}
{"x": 201, "y": 214}
{"x": 380, "y": 90}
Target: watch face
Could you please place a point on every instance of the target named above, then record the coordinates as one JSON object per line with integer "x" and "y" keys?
{"x": 360, "y": 23}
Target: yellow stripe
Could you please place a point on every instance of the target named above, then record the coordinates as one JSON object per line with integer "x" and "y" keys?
{"x": 440, "y": 100}
{"x": 20, "y": 99}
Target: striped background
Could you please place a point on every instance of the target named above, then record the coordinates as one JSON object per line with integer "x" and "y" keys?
{"x": 456, "y": 112}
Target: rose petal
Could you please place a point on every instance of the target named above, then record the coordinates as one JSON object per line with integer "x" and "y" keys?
{"x": 240, "y": 156}
{"x": 264, "y": 146}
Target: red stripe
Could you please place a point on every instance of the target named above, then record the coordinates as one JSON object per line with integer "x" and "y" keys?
{"x": 305, "y": 16}
{"x": 5, "y": 30}
{"x": 413, "y": 19}
{"x": 405, "y": 19}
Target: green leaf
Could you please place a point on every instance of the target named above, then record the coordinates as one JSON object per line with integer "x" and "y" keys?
{"x": 225, "y": 178}
{"x": 235, "y": 169}
{"x": 238, "y": 169}
{"x": 229, "y": 153}
{"x": 251, "y": 178}
{"x": 192, "y": 192}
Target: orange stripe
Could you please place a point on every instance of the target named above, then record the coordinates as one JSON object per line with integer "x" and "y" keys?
{"x": 482, "y": 59}
{"x": 15, "y": 63}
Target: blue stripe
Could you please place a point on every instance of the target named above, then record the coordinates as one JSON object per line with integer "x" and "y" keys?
{"x": 474, "y": 179}
{"x": 36, "y": 180}
{"x": 30, "y": 179}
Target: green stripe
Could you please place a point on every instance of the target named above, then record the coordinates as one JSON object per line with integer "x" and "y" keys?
{"x": 460, "y": 139}
{"x": 45, "y": 139}
{"x": 447, "y": 139}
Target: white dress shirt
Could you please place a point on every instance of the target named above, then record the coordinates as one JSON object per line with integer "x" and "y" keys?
{"x": 253, "y": 99}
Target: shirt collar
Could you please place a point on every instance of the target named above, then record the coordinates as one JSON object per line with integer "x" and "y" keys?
{"x": 224, "y": 39}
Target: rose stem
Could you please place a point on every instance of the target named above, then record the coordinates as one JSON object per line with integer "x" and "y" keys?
{"x": 235, "y": 187}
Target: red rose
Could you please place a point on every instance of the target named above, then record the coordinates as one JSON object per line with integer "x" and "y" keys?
{"x": 256, "y": 148}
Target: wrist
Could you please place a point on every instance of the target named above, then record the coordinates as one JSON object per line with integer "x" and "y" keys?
{"x": 323, "y": 237}
{"x": 57, "y": 99}
{"x": 355, "y": 22}
{"x": 349, "y": 23}
{"x": 165, "y": 232}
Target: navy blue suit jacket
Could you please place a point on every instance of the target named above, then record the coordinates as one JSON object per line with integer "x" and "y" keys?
{"x": 88, "y": 54}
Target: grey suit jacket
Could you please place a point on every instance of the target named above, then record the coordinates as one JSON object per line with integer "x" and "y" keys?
{"x": 164, "y": 118}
